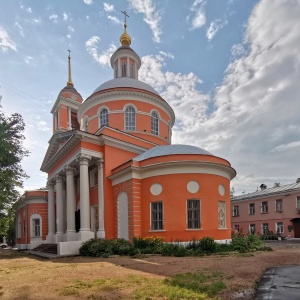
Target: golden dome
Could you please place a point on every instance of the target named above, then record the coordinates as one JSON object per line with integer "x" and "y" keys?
{"x": 125, "y": 38}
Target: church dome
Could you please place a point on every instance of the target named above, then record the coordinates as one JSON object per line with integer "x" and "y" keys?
{"x": 170, "y": 150}
{"x": 125, "y": 82}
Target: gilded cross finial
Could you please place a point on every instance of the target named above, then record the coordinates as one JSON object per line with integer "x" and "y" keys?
{"x": 69, "y": 70}
{"x": 125, "y": 15}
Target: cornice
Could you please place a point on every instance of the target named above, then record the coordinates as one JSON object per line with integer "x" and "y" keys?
{"x": 101, "y": 97}
{"x": 173, "y": 167}
{"x": 66, "y": 101}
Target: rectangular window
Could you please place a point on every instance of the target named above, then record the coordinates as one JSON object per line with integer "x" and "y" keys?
{"x": 222, "y": 214}
{"x": 193, "y": 214}
{"x": 157, "y": 216}
{"x": 252, "y": 209}
{"x": 235, "y": 211}
{"x": 265, "y": 228}
{"x": 298, "y": 202}
{"x": 236, "y": 227}
{"x": 279, "y": 227}
{"x": 123, "y": 69}
{"x": 252, "y": 228}
{"x": 36, "y": 227}
{"x": 131, "y": 70}
{"x": 116, "y": 70}
{"x": 264, "y": 207}
{"x": 278, "y": 205}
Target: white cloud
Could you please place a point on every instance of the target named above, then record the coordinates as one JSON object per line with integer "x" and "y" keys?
{"x": 114, "y": 19}
{"x": 199, "y": 18}
{"x": 180, "y": 91}
{"x": 65, "y": 16}
{"x": 36, "y": 20}
{"x": 70, "y": 28}
{"x": 92, "y": 48}
{"x": 256, "y": 123}
{"x": 54, "y": 18}
{"x": 214, "y": 27}
{"x": 28, "y": 59}
{"x": 20, "y": 29}
{"x": 29, "y": 9}
{"x": 151, "y": 16}
{"x": 88, "y": 2}
{"x": 108, "y": 7}
{"x": 238, "y": 50}
{"x": 5, "y": 41}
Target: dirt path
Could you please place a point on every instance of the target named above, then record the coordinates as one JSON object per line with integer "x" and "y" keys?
{"x": 26, "y": 277}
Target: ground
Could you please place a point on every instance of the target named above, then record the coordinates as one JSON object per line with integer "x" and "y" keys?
{"x": 25, "y": 277}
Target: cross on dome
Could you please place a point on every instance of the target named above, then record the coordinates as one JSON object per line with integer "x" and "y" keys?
{"x": 125, "y": 39}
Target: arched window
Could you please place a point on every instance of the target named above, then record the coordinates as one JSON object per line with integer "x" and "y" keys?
{"x": 123, "y": 69}
{"x": 129, "y": 118}
{"x": 154, "y": 123}
{"x": 104, "y": 117}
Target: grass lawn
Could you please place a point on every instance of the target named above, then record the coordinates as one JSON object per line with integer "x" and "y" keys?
{"x": 155, "y": 277}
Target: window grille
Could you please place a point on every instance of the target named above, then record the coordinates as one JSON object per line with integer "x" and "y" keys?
{"x": 157, "y": 216}
{"x": 130, "y": 118}
{"x": 193, "y": 214}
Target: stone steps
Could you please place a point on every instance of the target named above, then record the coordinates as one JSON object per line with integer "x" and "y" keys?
{"x": 47, "y": 248}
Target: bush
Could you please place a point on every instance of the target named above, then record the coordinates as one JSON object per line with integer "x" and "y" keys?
{"x": 105, "y": 248}
{"x": 148, "y": 245}
{"x": 205, "y": 245}
{"x": 244, "y": 242}
{"x": 173, "y": 250}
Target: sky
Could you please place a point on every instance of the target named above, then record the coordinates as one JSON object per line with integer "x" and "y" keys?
{"x": 230, "y": 69}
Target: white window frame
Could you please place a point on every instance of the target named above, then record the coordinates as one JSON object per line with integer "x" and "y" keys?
{"x": 32, "y": 228}
{"x": 264, "y": 226}
{"x": 280, "y": 226}
{"x": 252, "y": 209}
{"x": 264, "y": 207}
{"x": 251, "y": 228}
{"x": 191, "y": 223}
{"x": 278, "y": 205}
{"x": 130, "y": 118}
{"x": 235, "y": 211}
{"x": 156, "y": 223}
{"x": 155, "y": 122}
{"x": 103, "y": 117}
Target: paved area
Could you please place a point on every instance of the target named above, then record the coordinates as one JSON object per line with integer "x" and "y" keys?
{"x": 280, "y": 283}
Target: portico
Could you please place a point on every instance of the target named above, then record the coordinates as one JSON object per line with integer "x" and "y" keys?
{"x": 62, "y": 203}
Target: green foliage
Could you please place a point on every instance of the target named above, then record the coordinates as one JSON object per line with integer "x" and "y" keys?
{"x": 11, "y": 155}
{"x": 205, "y": 245}
{"x": 245, "y": 241}
{"x": 105, "y": 248}
{"x": 174, "y": 250}
{"x": 148, "y": 245}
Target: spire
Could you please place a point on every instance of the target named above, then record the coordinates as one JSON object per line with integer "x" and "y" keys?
{"x": 69, "y": 83}
{"x": 125, "y": 39}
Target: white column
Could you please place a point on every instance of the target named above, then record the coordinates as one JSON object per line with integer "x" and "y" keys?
{"x": 51, "y": 213}
{"x": 59, "y": 210}
{"x": 135, "y": 71}
{"x": 101, "y": 230}
{"x": 85, "y": 232}
{"x": 71, "y": 232}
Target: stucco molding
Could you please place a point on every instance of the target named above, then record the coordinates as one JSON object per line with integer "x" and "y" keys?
{"x": 173, "y": 167}
{"x": 66, "y": 101}
{"x": 119, "y": 94}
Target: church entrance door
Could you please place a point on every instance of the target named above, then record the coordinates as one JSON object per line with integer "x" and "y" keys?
{"x": 123, "y": 216}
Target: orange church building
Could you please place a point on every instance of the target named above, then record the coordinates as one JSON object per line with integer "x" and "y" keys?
{"x": 113, "y": 172}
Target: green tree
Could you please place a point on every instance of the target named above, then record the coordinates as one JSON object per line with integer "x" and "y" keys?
{"x": 11, "y": 155}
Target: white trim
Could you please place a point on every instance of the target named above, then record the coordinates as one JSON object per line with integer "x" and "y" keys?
{"x": 119, "y": 95}
{"x": 173, "y": 167}
{"x": 35, "y": 217}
